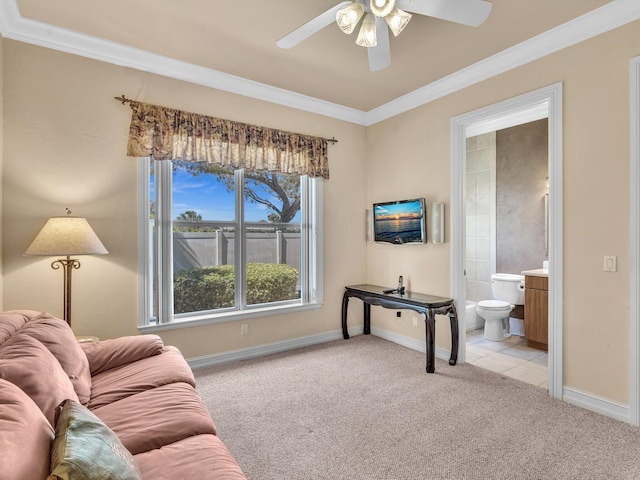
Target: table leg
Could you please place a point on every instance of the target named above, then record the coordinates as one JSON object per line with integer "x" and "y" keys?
{"x": 345, "y": 304}
{"x": 430, "y": 323}
{"x": 367, "y": 318}
{"x": 455, "y": 335}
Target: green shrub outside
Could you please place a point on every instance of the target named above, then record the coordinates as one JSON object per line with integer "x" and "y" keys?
{"x": 214, "y": 287}
{"x": 203, "y": 289}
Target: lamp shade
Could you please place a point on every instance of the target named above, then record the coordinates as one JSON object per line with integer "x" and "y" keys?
{"x": 397, "y": 20}
{"x": 437, "y": 222}
{"x": 66, "y": 236}
{"x": 367, "y": 34}
{"x": 348, "y": 17}
{"x": 382, "y": 8}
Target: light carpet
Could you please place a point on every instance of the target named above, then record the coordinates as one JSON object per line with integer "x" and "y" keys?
{"x": 364, "y": 409}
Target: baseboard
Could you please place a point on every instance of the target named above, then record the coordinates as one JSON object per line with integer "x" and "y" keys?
{"x": 474, "y": 325}
{"x": 596, "y": 404}
{"x": 570, "y": 395}
{"x": 412, "y": 343}
{"x": 285, "y": 345}
{"x": 573, "y": 396}
{"x": 269, "y": 348}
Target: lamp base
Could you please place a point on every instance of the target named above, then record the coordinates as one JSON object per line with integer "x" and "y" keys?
{"x": 67, "y": 264}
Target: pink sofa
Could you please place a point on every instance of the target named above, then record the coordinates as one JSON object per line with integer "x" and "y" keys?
{"x": 139, "y": 389}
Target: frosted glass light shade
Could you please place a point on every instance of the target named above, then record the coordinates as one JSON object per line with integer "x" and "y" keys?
{"x": 437, "y": 222}
{"x": 367, "y": 33}
{"x": 348, "y": 17}
{"x": 66, "y": 236}
{"x": 382, "y": 8}
{"x": 397, "y": 20}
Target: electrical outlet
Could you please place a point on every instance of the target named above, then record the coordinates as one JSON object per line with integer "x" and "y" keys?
{"x": 244, "y": 329}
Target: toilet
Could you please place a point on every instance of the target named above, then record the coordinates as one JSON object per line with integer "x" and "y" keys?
{"x": 507, "y": 291}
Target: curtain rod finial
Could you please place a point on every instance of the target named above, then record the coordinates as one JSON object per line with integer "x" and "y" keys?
{"x": 122, "y": 99}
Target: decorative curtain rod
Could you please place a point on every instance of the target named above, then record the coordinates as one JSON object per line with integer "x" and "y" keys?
{"x": 124, "y": 100}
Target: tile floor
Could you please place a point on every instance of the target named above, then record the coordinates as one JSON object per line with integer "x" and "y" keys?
{"x": 511, "y": 358}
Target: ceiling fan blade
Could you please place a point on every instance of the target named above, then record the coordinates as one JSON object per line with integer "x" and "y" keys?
{"x": 466, "y": 12}
{"x": 312, "y": 26}
{"x": 380, "y": 55}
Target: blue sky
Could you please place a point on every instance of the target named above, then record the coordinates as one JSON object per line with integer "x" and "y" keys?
{"x": 209, "y": 198}
{"x": 203, "y": 194}
{"x": 391, "y": 209}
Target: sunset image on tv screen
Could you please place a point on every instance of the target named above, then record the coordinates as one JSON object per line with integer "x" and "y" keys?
{"x": 399, "y": 222}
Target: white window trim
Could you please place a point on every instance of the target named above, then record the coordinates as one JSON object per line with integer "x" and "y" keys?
{"x": 212, "y": 319}
{"x": 312, "y": 298}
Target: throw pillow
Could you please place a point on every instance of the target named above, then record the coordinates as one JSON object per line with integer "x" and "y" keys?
{"x": 86, "y": 449}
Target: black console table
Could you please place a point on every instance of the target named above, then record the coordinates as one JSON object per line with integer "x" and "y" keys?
{"x": 428, "y": 304}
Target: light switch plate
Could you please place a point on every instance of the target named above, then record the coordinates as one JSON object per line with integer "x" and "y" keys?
{"x": 610, "y": 263}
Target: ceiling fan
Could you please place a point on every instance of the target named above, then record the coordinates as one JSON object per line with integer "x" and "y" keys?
{"x": 373, "y": 14}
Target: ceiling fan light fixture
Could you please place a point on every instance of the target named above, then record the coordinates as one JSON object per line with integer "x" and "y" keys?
{"x": 348, "y": 17}
{"x": 397, "y": 20}
{"x": 367, "y": 34}
{"x": 382, "y": 8}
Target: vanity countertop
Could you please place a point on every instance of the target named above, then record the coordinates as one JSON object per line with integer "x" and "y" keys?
{"x": 540, "y": 272}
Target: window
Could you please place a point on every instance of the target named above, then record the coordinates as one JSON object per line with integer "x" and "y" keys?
{"x": 220, "y": 244}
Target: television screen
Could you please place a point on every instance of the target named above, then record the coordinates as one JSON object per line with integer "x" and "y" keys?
{"x": 400, "y": 222}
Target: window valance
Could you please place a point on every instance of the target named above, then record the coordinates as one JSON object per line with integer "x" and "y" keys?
{"x": 168, "y": 134}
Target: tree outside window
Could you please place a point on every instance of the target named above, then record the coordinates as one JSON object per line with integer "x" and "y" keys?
{"x": 237, "y": 237}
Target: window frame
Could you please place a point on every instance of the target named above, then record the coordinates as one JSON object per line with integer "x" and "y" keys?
{"x": 312, "y": 291}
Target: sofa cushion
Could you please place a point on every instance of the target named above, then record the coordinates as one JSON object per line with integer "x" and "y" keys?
{"x": 25, "y": 436}
{"x": 157, "y": 417}
{"x": 85, "y": 448}
{"x": 116, "y": 352}
{"x": 11, "y": 322}
{"x": 57, "y": 336}
{"x": 25, "y": 362}
{"x": 203, "y": 457}
{"x": 151, "y": 372}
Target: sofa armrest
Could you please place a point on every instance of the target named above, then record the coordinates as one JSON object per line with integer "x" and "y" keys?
{"x": 108, "y": 354}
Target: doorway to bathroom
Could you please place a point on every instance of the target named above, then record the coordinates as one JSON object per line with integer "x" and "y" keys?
{"x": 525, "y": 243}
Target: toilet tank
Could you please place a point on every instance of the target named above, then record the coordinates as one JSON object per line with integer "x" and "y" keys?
{"x": 508, "y": 287}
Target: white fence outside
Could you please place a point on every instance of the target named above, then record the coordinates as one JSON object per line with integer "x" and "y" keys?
{"x": 265, "y": 243}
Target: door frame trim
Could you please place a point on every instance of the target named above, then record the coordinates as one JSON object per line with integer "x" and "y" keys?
{"x": 634, "y": 239}
{"x": 551, "y": 96}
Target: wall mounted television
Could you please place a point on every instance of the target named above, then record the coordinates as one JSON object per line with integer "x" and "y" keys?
{"x": 400, "y": 222}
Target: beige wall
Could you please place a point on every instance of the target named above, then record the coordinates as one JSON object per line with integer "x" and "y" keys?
{"x": 65, "y": 141}
{"x": 409, "y": 156}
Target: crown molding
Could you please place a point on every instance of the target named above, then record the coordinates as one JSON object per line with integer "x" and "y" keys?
{"x": 596, "y": 22}
{"x": 507, "y": 120}
{"x": 612, "y": 15}
{"x": 16, "y": 27}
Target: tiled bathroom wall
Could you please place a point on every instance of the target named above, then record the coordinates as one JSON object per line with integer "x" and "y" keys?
{"x": 480, "y": 175}
{"x": 506, "y": 175}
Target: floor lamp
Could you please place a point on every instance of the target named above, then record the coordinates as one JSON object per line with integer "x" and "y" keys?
{"x": 66, "y": 236}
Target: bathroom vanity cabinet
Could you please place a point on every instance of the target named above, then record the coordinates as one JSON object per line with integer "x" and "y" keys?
{"x": 536, "y": 311}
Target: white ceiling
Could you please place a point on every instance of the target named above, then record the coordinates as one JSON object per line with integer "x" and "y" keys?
{"x": 230, "y": 45}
